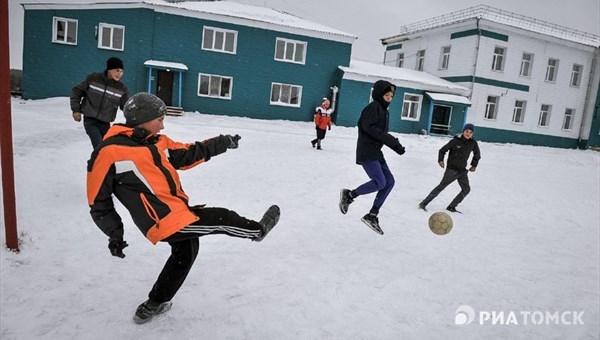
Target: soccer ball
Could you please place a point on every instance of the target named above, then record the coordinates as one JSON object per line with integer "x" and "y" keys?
{"x": 440, "y": 223}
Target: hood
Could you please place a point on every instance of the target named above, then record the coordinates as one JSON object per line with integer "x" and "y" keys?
{"x": 380, "y": 88}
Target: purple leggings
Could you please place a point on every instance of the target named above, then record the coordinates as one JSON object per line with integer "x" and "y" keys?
{"x": 381, "y": 181}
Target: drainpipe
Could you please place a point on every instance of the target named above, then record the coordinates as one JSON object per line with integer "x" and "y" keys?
{"x": 588, "y": 92}
{"x": 476, "y": 56}
{"x": 334, "y": 97}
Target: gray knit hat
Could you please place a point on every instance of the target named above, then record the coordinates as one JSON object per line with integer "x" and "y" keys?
{"x": 143, "y": 107}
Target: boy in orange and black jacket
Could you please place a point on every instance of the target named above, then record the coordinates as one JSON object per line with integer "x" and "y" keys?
{"x": 139, "y": 166}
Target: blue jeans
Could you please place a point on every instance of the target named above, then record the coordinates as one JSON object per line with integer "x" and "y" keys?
{"x": 381, "y": 181}
{"x": 95, "y": 129}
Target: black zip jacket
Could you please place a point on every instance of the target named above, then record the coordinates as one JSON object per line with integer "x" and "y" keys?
{"x": 460, "y": 148}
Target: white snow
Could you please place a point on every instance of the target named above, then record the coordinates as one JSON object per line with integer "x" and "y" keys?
{"x": 369, "y": 72}
{"x": 166, "y": 64}
{"x": 528, "y": 241}
{"x": 254, "y": 13}
{"x": 449, "y": 98}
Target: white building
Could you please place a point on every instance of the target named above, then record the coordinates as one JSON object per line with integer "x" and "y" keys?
{"x": 532, "y": 82}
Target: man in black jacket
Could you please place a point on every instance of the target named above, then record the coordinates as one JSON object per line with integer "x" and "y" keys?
{"x": 97, "y": 97}
{"x": 460, "y": 148}
{"x": 372, "y": 135}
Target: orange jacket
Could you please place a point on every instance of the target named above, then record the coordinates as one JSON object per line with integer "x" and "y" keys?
{"x": 323, "y": 117}
{"x": 141, "y": 171}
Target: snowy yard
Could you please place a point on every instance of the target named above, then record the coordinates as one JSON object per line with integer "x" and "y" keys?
{"x": 527, "y": 244}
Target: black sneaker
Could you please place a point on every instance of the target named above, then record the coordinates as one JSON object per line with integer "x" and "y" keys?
{"x": 268, "y": 221}
{"x": 423, "y": 206}
{"x": 149, "y": 309}
{"x": 451, "y": 209}
{"x": 372, "y": 222}
{"x": 345, "y": 200}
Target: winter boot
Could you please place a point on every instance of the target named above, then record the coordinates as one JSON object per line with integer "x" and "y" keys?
{"x": 345, "y": 200}
{"x": 423, "y": 206}
{"x": 268, "y": 221}
{"x": 149, "y": 309}
{"x": 372, "y": 222}
{"x": 451, "y": 209}
{"x": 313, "y": 142}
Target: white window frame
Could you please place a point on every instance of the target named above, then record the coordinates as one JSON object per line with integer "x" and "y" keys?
{"x": 66, "y": 22}
{"x": 491, "y": 107}
{"x": 226, "y": 35}
{"x": 112, "y": 28}
{"x": 544, "y": 119}
{"x": 420, "y": 64}
{"x": 568, "y": 119}
{"x": 215, "y": 80}
{"x": 519, "y": 111}
{"x": 498, "y": 59}
{"x": 526, "y": 65}
{"x": 445, "y": 57}
{"x": 400, "y": 59}
{"x": 552, "y": 70}
{"x": 278, "y": 93}
{"x": 290, "y": 53}
{"x": 409, "y": 106}
{"x": 576, "y": 75}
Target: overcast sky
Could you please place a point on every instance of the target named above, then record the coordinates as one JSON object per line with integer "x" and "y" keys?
{"x": 372, "y": 20}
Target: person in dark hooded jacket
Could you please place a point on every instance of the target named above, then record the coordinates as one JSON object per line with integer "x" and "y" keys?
{"x": 372, "y": 136}
{"x": 460, "y": 148}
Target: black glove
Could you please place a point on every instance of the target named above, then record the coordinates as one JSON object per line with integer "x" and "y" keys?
{"x": 329, "y": 127}
{"x": 233, "y": 141}
{"x": 116, "y": 246}
{"x": 399, "y": 149}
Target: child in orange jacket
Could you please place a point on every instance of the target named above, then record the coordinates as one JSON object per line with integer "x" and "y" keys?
{"x": 322, "y": 122}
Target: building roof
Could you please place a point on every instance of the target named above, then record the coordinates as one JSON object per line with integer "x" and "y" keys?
{"x": 502, "y": 17}
{"x": 402, "y": 77}
{"x": 248, "y": 15}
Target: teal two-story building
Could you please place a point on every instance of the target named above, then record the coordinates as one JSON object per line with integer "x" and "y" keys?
{"x": 220, "y": 57}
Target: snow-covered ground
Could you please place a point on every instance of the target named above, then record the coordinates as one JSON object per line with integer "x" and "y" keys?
{"x": 527, "y": 244}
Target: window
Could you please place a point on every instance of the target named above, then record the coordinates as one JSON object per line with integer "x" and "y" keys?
{"x": 210, "y": 85}
{"x": 544, "y": 115}
{"x": 290, "y": 50}
{"x": 111, "y": 37}
{"x": 498, "y": 60}
{"x": 64, "y": 31}
{"x": 218, "y": 39}
{"x": 526, "y": 64}
{"x": 420, "y": 60}
{"x": 568, "y": 120}
{"x": 411, "y": 108}
{"x": 551, "y": 69}
{"x": 491, "y": 108}
{"x": 519, "y": 111}
{"x": 400, "y": 60}
{"x": 445, "y": 57}
{"x": 285, "y": 94}
{"x": 576, "y": 75}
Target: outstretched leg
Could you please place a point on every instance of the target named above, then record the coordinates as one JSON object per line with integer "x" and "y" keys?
{"x": 463, "y": 181}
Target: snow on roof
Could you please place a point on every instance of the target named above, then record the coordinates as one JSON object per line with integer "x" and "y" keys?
{"x": 365, "y": 71}
{"x": 253, "y": 13}
{"x": 502, "y": 17}
{"x": 166, "y": 65}
{"x": 247, "y": 15}
{"x": 448, "y": 98}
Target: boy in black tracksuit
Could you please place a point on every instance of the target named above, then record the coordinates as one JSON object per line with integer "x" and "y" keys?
{"x": 460, "y": 148}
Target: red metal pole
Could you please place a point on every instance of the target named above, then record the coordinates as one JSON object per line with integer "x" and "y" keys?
{"x": 6, "y": 150}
